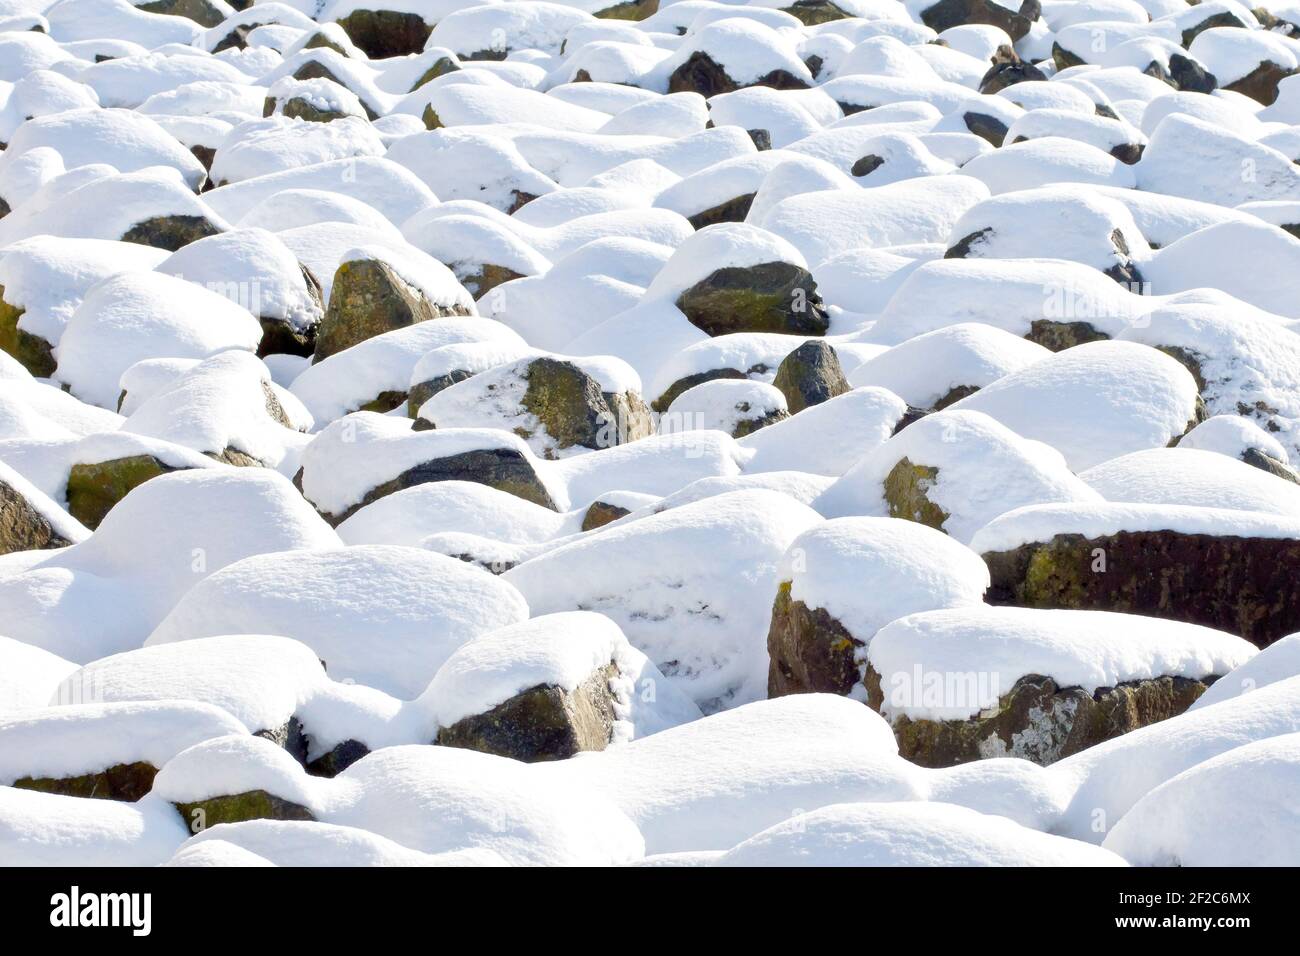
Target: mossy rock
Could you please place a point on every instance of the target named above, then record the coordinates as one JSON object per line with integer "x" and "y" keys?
{"x": 170, "y": 233}
{"x": 281, "y": 338}
{"x": 1005, "y": 74}
{"x": 22, "y": 527}
{"x": 315, "y": 70}
{"x": 906, "y": 493}
{"x": 504, "y": 469}
{"x": 385, "y": 33}
{"x": 384, "y": 402}
{"x": 1246, "y": 586}
{"x": 369, "y": 298}
{"x": 769, "y": 297}
{"x": 1038, "y": 720}
{"x": 601, "y": 513}
{"x": 200, "y": 11}
{"x": 542, "y": 723}
{"x": 33, "y": 352}
{"x": 1063, "y": 58}
{"x": 951, "y": 13}
{"x": 702, "y": 74}
{"x": 574, "y": 411}
{"x": 487, "y": 278}
{"x": 808, "y": 650}
{"x": 239, "y": 807}
{"x": 810, "y": 375}
{"x": 299, "y": 107}
{"x": 813, "y": 12}
{"x": 733, "y": 210}
{"x": 747, "y": 426}
{"x": 629, "y": 10}
{"x": 93, "y": 489}
{"x": 441, "y": 67}
{"x": 320, "y": 41}
{"x": 123, "y": 781}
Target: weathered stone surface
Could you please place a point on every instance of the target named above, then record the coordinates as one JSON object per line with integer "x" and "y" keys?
{"x": 986, "y": 127}
{"x": 334, "y": 762}
{"x": 629, "y": 10}
{"x": 1039, "y": 721}
{"x": 502, "y": 468}
{"x": 1184, "y": 74}
{"x": 441, "y": 66}
{"x": 1260, "y": 84}
{"x": 200, "y": 11}
{"x": 810, "y": 375}
{"x": 1257, "y": 459}
{"x": 369, "y": 298}
{"x": 1059, "y": 336}
{"x": 747, "y": 426}
{"x": 124, "y": 781}
{"x": 238, "y": 807}
{"x": 1224, "y": 18}
{"x": 575, "y": 412}
{"x": 1247, "y": 586}
{"x": 1002, "y": 75}
{"x": 662, "y": 403}
{"x": 95, "y": 488}
{"x": 601, "y": 513}
{"x": 170, "y": 233}
{"x": 812, "y": 12}
{"x": 704, "y": 75}
{"x": 769, "y": 297}
{"x": 33, "y": 352}
{"x": 385, "y": 33}
{"x": 951, "y": 13}
{"x": 236, "y": 39}
{"x": 315, "y": 70}
{"x": 487, "y": 278}
{"x": 423, "y": 391}
{"x": 905, "y": 493}
{"x": 733, "y": 210}
{"x": 542, "y": 723}
{"x": 22, "y": 527}
{"x": 4, "y": 208}
{"x": 299, "y": 107}
{"x": 809, "y": 651}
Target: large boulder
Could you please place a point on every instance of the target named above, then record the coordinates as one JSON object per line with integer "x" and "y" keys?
{"x": 810, "y": 375}
{"x": 1231, "y": 570}
{"x": 766, "y": 297}
{"x": 1016, "y": 21}
{"x": 383, "y": 33}
{"x": 29, "y": 520}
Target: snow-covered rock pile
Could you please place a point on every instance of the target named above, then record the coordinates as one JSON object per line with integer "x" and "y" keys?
{"x": 664, "y": 432}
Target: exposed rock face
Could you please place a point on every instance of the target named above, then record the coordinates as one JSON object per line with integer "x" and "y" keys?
{"x": 442, "y": 65}
{"x": 502, "y": 468}
{"x": 369, "y": 298}
{"x": 1002, "y": 75}
{"x": 670, "y": 394}
{"x": 1038, "y": 720}
{"x": 1059, "y": 336}
{"x": 1247, "y": 586}
{"x": 733, "y": 210}
{"x": 812, "y": 12}
{"x": 1260, "y": 84}
{"x": 423, "y": 391}
{"x": 22, "y": 527}
{"x": 986, "y": 127}
{"x": 759, "y": 419}
{"x": 905, "y": 493}
{"x": 809, "y": 651}
{"x": 575, "y": 412}
{"x": 541, "y": 723}
{"x": 95, "y": 488}
{"x": 315, "y": 70}
{"x": 1184, "y": 74}
{"x": 601, "y": 513}
{"x": 238, "y": 807}
{"x": 704, "y": 75}
{"x": 385, "y": 33}
{"x": 200, "y": 11}
{"x": 629, "y": 10}
{"x": 769, "y": 297}
{"x": 810, "y": 375}
{"x": 335, "y": 761}
{"x": 487, "y": 278}
{"x": 124, "y": 781}
{"x": 951, "y": 13}
{"x": 35, "y": 354}
{"x": 299, "y": 107}
{"x": 170, "y": 232}
{"x": 1257, "y": 459}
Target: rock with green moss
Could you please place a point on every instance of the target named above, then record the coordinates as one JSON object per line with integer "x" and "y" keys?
{"x": 906, "y": 488}
{"x": 810, "y": 375}
{"x": 808, "y": 650}
{"x": 202, "y": 12}
{"x": 370, "y": 298}
{"x": 33, "y": 352}
{"x": 813, "y": 12}
{"x": 94, "y": 488}
{"x": 574, "y": 411}
{"x": 23, "y": 526}
{"x": 171, "y": 232}
{"x": 768, "y": 297}
{"x": 1246, "y": 586}
{"x": 1038, "y": 720}
{"x": 238, "y": 807}
{"x": 125, "y": 781}
{"x": 545, "y": 722}
{"x": 730, "y": 210}
{"x": 441, "y": 67}
{"x": 384, "y": 33}
{"x": 421, "y": 392}
{"x": 686, "y": 382}
{"x": 629, "y": 10}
